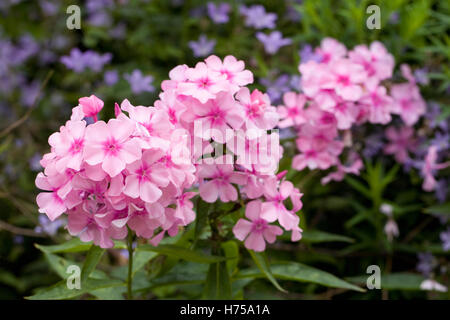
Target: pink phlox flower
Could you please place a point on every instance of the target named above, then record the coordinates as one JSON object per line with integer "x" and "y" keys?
{"x": 233, "y": 69}
{"x": 91, "y": 106}
{"x": 400, "y": 142}
{"x": 292, "y": 112}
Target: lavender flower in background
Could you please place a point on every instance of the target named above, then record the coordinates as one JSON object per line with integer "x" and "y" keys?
{"x": 139, "y": 83}
{"x": 421, "y": 76}
{"x": 47, "y": 226}
{"x": 373, "y": 144}
{"x": 218, "y": 12}
{"x": 275, "y": 89}
{"x": 307, "y": 54}
{"x": 119, "y": 31}
{"x": 202, "y": 47}
{"x": 394, "y": 17}
{"x": 441, "y": 141}
{"x": 197, "y": 12}
{"x": 79, "y": 61}
{"x": 295, "y": 82}
{"x": 30, "y": 94}
{"x": 427, "y": 262}
{"x": 34, "y": 162}
{"x": 49, "y": 7}
{"x": 273, "y": 42}
{"x": 257, "y": 17}
{"x": 292, "y": 13}
{"x": 445, "y": 238}
{"x": 433, "y": 115}
{"x": 441, "y": 190}
{"x": 111, "y": 77}
{"x": 18, "y": 239}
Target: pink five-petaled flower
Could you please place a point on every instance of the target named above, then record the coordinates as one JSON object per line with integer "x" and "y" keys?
{"x": 111, "y": 145}
{"x": 220, "y": 184}
{"x": 146, "y": 176}
{"x": 408, "y": 102}
{"x": 50, "y": 203}
{"x": 274, "y": 209}
{"x": 256, "y": 231}
{"x": 259, "y": 113}
{"x": 330, "y": 49}
{"x": 400, "y": 142}
{"x": 347, "y": 79}
{"x": 292, "y": 113}
{"x": 233, "y": 69}
{"x": 430, "y": 167}
{"x": 91, "y": 106}
{"x": 203, "y": 83}
{"x": 68, "y": 145}
{"x": 215, "y": 117}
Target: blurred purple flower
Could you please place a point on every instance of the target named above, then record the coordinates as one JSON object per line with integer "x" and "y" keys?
{"x": 18, "y": 239}
{"x": 49, "y": 7}
{"x": 256, "y": 16}
{"x": 218, "y": 12}
{"x": 273, "y": 41}
{"x": 394, "y": 17}
{"x": 79, "y": 61}
{"x": 445, "y": 238}
{"x": 119, "y": 31}
{"x": 275, "y": 89}
{"x": 111, "y": 77}
{"x": 30, "y": 94}
{"x": 441, "y": 190}
{"x": 139, "y": 83}
{"x": 421, "y": 76}
{"x": 441, "y": 141}
{"x": 373, "y": 144}
{"x": 35, "y": 162}
{"x": 197, "y": 12}
{"x": 100, "y": 19}
{"x": 202, "y": 47}
{"x": 427, "y": 263}
{"x": 47, "y": 226}
{"x": 433, "y": 114}
{"x": 307, "y": 54}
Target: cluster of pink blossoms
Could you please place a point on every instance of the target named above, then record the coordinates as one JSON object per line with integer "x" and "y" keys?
{"x": 139, "y": 170}
{"x": 343, "y": 90}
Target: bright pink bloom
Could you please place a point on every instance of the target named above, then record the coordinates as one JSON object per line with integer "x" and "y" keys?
{"x": 347, "y": 79}
{"x": 379, "y": 105}
{"x": 292, "y": 112}
{"x": 330, "y": 49}
{"x": 400, "y": 142}
{"x": 256, "y": 231}
{"x": 408, "y": 102}
{"x": 111, "y": 145}
{"x": 91, "y": 106}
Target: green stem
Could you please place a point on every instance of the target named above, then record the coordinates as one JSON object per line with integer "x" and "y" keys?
{"x": 130, "y": 264}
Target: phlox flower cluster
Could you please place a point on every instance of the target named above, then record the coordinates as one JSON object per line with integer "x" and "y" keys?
{"x": 111, "y": 176}
{"x": 237, "y": 158}
{"x": 341, "y": 90}
{"x": 139, "y": 171}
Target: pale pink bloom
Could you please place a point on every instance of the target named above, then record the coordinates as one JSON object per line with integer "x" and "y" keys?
{"x": 376, "y": 60}
{"x": 346, "y": 112}
{"x": 144, "y": 221}
{"x": 176, "y": 75}
{"x": 274, "y": 209}
{"x": 330, "y": 49}
{"x": 171, "y": 105}
{"x": 51, "y": 203}
{"x": 219, "y": 185}
{"x": 68, "y": 145}
{"x": 215, "y": 117}
{"x": 259, "y": 114}
{"x": 233, "y": 69}
{"x": 379, "y": 105}
{"x": 408, "y": 102}
{"x": 342, "y": 170}
{"x": 315, "y": 77}
{"x": 91, "y": 106}
{"x": 146, "y": 177}
{"x": 391, "y": 229}
{"x": 347, "y": 79}
{"x": 292, "y": 112}
{"x": 311, "y": 157}
{"x": 111, "y": 145}
{"x": 256, "y": 231}
{"x": 184, "y": 210}
{"x": 88, "y": 228}
{"x": 203, "y": 83}
{"x": 407, "y": 73}
{"x": 430, "y": 167}
{"x": 400, "y": 142}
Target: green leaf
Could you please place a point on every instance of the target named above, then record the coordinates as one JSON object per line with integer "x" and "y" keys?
{"x": 141, "y": 258}
{"x": 231, "y": 250}
{"x": 316, "y": 236}
{"x": 295, "y": 271}
{"x": 93, "y": 257}
{"x": 218, "y": 283}
{"x": 263, "y": 265}
{"x": 394, "y": 281}
{"x": 442, "y": 209}
{"x": 60, "y": 290}
{"x": 358, "y": 186}
{"x": 181, "y": 253}
{"x": 73, "y": 245}
{"x": 202, "y": 209}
